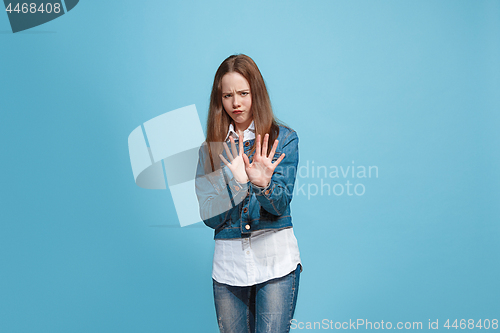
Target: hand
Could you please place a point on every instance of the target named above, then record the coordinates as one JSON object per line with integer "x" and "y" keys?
{"x": 236, "y": 164}
{"x": 261, "y": 170}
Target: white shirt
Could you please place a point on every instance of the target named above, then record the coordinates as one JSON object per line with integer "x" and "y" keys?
{"x": 265, "y": 255}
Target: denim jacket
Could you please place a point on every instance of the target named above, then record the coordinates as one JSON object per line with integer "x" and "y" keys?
{"x": 234, "y": 210}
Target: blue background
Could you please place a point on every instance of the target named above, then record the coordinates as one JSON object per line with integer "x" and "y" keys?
{"x": 411, "y": 87}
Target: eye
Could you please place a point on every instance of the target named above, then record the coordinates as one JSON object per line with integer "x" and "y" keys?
{"x": 226, "y": 96}
{"x": 244, "y": 93}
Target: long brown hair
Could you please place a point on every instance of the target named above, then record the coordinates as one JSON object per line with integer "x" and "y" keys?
{"x": 218, "y": 120}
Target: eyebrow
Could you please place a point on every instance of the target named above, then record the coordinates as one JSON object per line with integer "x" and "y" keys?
{"x": 244, "y": 90}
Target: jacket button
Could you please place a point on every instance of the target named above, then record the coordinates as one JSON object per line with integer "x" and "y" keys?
{"x": 245, "y": 210}
{"x": 247, "y": 144}
{"x": 247, "y": 227}
{"x": 267, "y": 192}
{"x": 237, "y": 188}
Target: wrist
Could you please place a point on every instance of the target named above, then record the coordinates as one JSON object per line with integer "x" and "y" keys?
{"x": 261, "y": 184}
{"x": 241, "y": 181}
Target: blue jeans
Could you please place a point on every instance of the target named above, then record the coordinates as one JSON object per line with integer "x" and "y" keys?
{"x": 264, "y": 307}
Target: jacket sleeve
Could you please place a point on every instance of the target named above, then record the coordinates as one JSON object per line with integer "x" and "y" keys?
{"x": 276, "y": 196}
{"x": 217, "y": 191}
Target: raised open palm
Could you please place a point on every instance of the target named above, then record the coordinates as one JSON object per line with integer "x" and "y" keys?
{"x": 236, "y": 163}
{"x": 261, "y": 169}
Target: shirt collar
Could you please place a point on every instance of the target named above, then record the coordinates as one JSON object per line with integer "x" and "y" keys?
{"x": 248, "y": 134}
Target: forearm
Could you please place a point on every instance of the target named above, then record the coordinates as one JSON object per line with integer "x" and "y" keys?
{"x": 274, "y": 198}
{"x": 277, "y": 195}
{"x": 217, "y": 197}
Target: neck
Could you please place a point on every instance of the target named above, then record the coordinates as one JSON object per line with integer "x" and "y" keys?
{"x": 243, "y": 126}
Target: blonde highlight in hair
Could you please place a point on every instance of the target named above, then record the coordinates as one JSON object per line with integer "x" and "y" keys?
{"x": 218, "y": 120}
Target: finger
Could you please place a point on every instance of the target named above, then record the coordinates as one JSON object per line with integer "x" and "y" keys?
{"x": 233, "y": 148}
{"x": 246, "y": 160}
{"x": 257, "y": 147}
{"x": 275, "y": 164}
{"x": 224, "y": 160}
{"x": 273, "y": 150}
{"x": 241, "y": 145}
{"x": 264, "y": 145}
{"x": 227, "y": 151}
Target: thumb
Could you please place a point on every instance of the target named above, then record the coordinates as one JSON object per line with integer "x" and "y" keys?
{"x": 246, "y": 160}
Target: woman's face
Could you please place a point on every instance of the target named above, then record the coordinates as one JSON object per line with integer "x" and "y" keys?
{"x": 237, "y": 99}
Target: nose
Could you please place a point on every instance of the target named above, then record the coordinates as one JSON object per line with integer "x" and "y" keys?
{"x": 236, "y": 101}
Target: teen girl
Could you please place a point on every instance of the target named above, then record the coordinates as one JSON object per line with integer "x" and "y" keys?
{"x": 244, "y": 187}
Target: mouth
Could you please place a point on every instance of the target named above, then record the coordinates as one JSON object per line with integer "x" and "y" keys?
{"x": 237, "y": 111}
